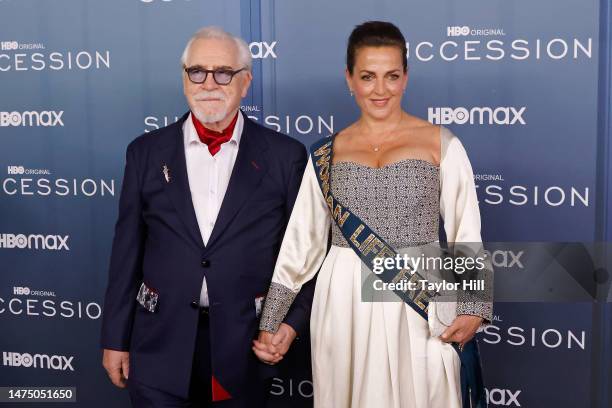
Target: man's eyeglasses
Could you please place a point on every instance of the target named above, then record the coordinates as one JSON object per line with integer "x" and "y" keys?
{"x": 221, "y": 76}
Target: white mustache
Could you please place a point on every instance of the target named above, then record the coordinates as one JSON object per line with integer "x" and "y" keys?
{"x": 209, "y": 95}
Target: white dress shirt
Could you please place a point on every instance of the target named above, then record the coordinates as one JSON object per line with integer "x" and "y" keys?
{"x": 208, "y": 179}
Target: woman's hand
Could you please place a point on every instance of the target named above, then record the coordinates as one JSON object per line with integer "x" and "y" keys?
{"x": 462, "y": 330}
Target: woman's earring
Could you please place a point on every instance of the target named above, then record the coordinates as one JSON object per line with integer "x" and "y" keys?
{"x": 351, "y": 92}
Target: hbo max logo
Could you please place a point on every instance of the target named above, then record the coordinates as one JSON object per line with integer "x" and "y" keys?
{"x": 32, "y": 118}
{"x": 503, "y": 397}
{"x": 35, "y": 241}
{"x": 261, "y": 50}
{"x": 457, "y": 31}
{"x": 28, "y": 360}
{"x": 9, "y": 45}
{"x": 503, "y": 115}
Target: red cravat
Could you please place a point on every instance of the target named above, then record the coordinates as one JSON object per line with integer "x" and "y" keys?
{"x": 213, "y": 139}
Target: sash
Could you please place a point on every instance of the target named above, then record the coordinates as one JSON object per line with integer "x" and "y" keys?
{"x": 368, "y": 245}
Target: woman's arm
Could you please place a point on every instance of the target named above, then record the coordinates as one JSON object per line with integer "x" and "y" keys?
{"x": 461, "y": 215}
{"x": 302, "y": 251}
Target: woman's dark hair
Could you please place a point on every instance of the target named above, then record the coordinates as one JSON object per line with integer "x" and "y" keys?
{"x": 375, "y": 34}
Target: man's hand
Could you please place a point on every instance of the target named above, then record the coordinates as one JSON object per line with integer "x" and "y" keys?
{"x": 117, "y": 366}
{"x": 270, "y": 348}
{"x": 462, "y": 330}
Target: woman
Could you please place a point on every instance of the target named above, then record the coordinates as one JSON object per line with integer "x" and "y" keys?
{"x": 397, "y": 173}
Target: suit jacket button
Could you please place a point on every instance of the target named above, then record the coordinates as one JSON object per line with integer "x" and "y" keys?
{"x": 205, "y": 263}
{"x": 195, "y": 304}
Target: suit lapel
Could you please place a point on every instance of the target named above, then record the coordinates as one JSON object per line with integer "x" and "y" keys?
{"x": 249, "y": 169}
{"x": 177, "y": 185}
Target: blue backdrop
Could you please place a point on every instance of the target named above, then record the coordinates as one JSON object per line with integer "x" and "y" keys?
{"x": 525, "y": 85}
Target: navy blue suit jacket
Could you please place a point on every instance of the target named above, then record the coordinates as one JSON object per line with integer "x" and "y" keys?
{"x": 157, "y": 241}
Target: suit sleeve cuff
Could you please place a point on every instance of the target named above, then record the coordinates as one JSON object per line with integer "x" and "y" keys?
{"x": 297, "y": 318}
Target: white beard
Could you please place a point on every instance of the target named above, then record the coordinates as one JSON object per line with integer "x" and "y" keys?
{"x": 210, "y": 117}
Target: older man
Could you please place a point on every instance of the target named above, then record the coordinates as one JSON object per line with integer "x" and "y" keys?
{"x": 203, "y": 207}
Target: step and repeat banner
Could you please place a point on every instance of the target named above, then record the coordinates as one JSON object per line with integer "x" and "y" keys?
{"x": 517, "y": 81}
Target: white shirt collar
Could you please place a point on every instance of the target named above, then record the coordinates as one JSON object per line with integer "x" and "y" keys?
{"x": 191, "y": 135}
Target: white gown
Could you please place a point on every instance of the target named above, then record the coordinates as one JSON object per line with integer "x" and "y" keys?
{"x": 377, "y": 354}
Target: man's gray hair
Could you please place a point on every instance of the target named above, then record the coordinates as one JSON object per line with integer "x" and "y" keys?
{"x": 244, "y": 54}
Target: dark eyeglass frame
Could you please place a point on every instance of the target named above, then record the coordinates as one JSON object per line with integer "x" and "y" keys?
{"x": 214, "y": 72}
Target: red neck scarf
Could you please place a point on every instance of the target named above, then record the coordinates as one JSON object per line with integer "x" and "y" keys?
{"x": 213, "y": 139}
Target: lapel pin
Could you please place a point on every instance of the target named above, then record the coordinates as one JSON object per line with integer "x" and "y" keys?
{"x": 254, "y": 164}
{"x": 166, "y": 172}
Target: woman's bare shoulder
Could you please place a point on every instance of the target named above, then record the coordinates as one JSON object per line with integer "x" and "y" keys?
{"x": 426, "y": 135}
{"x": 422, "y": 126}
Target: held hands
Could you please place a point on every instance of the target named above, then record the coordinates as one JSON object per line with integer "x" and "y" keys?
{"x": 462, "y": 330}
{"x": 117, "y": 366}
{"x": 270, "y": 348}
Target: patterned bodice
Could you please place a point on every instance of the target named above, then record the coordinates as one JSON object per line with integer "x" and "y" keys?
{"x": 399, "y": 201}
